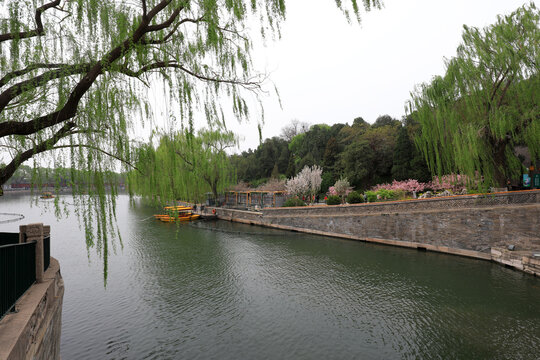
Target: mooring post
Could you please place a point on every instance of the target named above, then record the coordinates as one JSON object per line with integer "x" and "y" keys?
{"x": 34, "y": 232}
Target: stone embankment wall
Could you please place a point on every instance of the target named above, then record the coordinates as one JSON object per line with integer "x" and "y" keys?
{"x": 33, "y": 331}
{"x": 476, "y": 226}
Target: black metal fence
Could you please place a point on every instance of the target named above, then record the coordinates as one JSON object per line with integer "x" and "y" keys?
{"x": 46, "y": 252}
{"x": 8, "y": 238}
{"x": 17, "y": 273}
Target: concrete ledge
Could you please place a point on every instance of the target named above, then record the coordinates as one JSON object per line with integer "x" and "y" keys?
{"x": 33, "y": 331}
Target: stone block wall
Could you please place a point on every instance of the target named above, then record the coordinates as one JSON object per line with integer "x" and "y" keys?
{"x": 242, "y": 216}
{"x": 478, "y": 229}
{"x": 33, "y": 331}
{"x": 463, "y": 225}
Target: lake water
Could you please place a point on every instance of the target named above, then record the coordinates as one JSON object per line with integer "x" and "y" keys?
{"x": 218, "y": 290}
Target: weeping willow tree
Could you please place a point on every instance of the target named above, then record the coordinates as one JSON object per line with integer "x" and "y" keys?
{"x": 184, "y": 166}
{"x": 487, "y": 103}
{"x": 76, "y": 75}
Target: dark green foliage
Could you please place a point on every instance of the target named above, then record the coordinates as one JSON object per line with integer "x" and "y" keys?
{"x": 401, "y": 168}
{"x": 333, "y": 200}
{"x": 330, "y": 154}
{"x": 367, "y": 159}
{"x": 355, "y": 197}
{"x": 362, "y": 153}
{"x": 357, "y": 163}
{"x": 309, "y": 147}
{"x": 291, "y": 168}
{"x": 385, "y": 120}
{"x": 270, "y": 158}
{"x": 408, "y": 162}
{"x": 328, "y": 179}
{"x": 294, "y": 202}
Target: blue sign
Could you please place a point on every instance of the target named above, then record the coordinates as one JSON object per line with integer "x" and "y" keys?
{"x": 526, "y": 180}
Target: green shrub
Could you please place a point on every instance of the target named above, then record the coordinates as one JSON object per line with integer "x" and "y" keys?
{"x": 371, "y": 196}
{"x": 400, "y": 195}
{"x": 386, "y": 194}
{"x": 333, "y": 200}
{"x": 294, "y": 202}
{"x": 355, "y": 198}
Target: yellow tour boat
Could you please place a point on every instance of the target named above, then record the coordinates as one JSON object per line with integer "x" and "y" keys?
{"x": 46, "y": 195}
{"x": 177, "y": 213}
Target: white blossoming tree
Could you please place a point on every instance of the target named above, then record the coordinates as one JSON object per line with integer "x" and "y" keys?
{"x": 306, "y": 183}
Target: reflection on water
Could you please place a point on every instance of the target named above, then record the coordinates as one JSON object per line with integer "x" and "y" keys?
{"x": 219, "y": 290}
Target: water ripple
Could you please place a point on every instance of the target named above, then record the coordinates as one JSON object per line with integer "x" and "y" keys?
{"x": 220, "y": 290}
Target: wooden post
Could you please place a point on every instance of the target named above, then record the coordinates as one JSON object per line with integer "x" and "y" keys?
{"x": 34, "y": 232}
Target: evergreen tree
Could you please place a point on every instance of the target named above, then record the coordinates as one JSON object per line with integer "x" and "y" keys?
{"x": 403, "y": 153}
{"x": 330, "y": 154}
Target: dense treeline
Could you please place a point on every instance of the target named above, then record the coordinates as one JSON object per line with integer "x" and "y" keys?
{"x": 366, "y": 154}
{"x": 59, "y": 177}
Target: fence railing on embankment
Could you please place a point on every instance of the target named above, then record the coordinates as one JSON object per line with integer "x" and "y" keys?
{"x": 24, "y": 257}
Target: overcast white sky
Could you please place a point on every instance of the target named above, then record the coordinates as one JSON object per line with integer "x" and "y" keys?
{"x": 329, "y": 71}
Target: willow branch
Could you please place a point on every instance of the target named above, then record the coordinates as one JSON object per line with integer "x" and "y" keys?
{"x": 185, "y": 159}
{"x": 7, "y": 171}
{"x": 69, "y": 110}
{"x": 144, "y": 9}
{"x": 172, "y": 32}
{"x": 166, "y": 24}
{"x": 100, "y": 150}
{"x": 28, "y": 69}
{"x": 173, "y": 65}
{"x": 38, "y": 31}
{"x": 505, "y": 89}
{"x": 40, "y": 80}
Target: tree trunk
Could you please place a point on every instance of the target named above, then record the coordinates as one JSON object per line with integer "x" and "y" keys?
{"x": 500, "y": 165}
{"x": 214, "y": 190}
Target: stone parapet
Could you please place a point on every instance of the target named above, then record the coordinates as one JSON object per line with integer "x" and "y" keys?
{"x": 33, "y": 330}
{"x": 440, "y": 203}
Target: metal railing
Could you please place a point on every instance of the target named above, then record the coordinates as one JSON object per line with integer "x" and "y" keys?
{"x": 46, "y": 252}
{"x": 17, "y": 273}
{"x": 8, "y": 238}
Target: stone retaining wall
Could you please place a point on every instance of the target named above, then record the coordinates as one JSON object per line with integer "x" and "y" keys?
{"x": 463, "y": 225}
{"x": 33, "y": 331}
